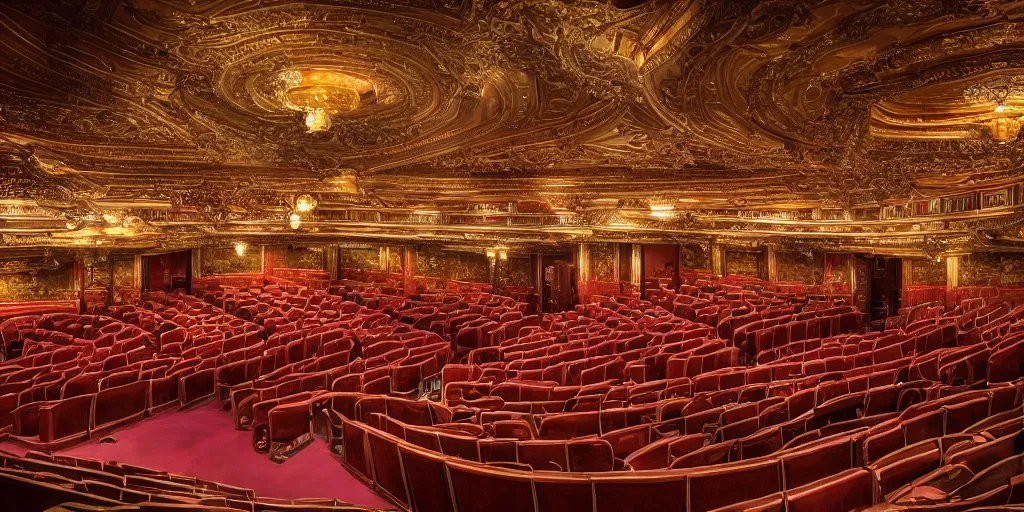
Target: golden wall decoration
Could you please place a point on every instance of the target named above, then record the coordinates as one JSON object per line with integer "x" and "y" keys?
{"x": 457, "y": 265}
{"x": 695, "y": 256}
{"x": 928, "y": 272}
{"x": 518, "y": 272}
{"x": 57, "y": 284}
{"x": 743, "y": 263}
{"x": 224, "y": 260}
{"x": 395, "y": 259}
{"x": 361, "y": 259}
{"x": 837, "y": 274}
{"x": 308, "y": 258}
{"x": 992, "y": 269}
{"x": 806, "y": 267}
{"x": 602, "y": 262}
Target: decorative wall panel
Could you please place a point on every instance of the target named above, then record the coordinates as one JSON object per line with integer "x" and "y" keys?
{"x": 361, "y": 258}
{"x": 694, "y": 256}
{"x": 837, "y": 274}
{"x": 602, "y": 262}
{"x": 929, "y": 272}
{"x": 37, "y": 281}
{"x": 224, "y": 260}
{"x": 394, "y": 259}
{"x": 308, "y": 258}
{"x": 806, "y": 267}
{"x": 457, "y": 265}
{"x": 992, "y": 269}
{"x": 743, "y": 263}
{"x": 518, "y": 272}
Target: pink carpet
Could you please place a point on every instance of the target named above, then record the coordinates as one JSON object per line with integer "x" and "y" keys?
{"x": 203, "y": 442}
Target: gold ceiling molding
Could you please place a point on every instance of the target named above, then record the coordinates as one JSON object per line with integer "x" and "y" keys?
{"x": 863, "y": 124}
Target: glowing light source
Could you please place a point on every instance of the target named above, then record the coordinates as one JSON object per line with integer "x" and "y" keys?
{"x": 317, "y": 120}
{"x": 503, "y": 255}
{"x": 490, "y": 254}
{"x": 1000, "y": 108}
{"x": 295, "y": 220}
{"x": 304, "y": 203}
{"x": 240, "y": 248}
{"x": 662, "y": 211}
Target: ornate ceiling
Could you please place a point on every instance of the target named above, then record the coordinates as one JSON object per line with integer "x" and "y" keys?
{"x": 866, "y": 125}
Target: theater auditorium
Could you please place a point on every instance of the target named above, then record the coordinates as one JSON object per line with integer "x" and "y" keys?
{"x": 511, "y": 255}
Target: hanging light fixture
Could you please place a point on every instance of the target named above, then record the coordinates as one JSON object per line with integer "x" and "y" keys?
{"x": 240, "y": 248}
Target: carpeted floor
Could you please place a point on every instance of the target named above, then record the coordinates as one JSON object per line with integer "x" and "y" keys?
{"x": 203, "y": 442}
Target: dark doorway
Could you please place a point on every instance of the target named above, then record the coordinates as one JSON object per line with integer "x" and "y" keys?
{"x": 886, "y": 285}
{"x": 167, "y": 272}
{"x": 660, "y": 266}
{"x": 558, "y": 283}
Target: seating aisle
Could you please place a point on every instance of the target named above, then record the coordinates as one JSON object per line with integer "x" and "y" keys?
{"x": 202, "y": 442}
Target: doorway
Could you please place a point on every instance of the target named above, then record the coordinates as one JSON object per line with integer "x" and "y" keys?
{"x": 558, "y": 283}
{"x": 886, "y": 288}
{"x": 167, "y": 272}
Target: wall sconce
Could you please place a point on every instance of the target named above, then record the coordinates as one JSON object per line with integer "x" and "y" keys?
{"x": 503, "y": 255}
{"x": 490, "y": 254}
{"x": 294, "y": 221}
{"x": 240, "y": 248}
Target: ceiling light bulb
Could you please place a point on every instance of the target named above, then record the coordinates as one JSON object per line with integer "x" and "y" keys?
{"x": 240, "y": 248}
{"x": 295, "y": 221}
{"x": 1000, "y": 108}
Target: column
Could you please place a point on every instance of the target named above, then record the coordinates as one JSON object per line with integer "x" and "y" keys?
{"x": 636, "y": 269}
{"x": 408, "y": 261}
{"x": 197, "y": 262}
{"x": 717, "y": 260}
{"x": 79, "y": 273}
{"x": 771, "y": 264}
{"x": 137, "y": 274}
{"x": 906, "y": 277}
{"x": 331, "y": 257}
{"x": 615, "y": 270}
{"x": 383, "y": 258}
{"x": 952, "y": 273}
{"x": 263, "y": 259}
{"x": 110, "y": 286}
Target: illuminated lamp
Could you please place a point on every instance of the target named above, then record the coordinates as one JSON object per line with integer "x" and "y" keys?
{"x": 240, "y": 248}
{"x": 490, "y": 254}
{"x": 295, "y": 220}
{"x": 503, "y": 255}
{"x": 1000, "y": 108}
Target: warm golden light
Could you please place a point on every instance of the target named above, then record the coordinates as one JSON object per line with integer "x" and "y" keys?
{"x": 304, "y": 203}
{"x": 295, "y": 221}
{"x": 503, "y": 255}
{"x": 490, "y": 254}
{"x": 317, "y": 120}
{"x": 1000, "y": 108}
{"x": 240, "y": 248}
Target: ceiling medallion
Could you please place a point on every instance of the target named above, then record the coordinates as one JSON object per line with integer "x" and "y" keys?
{"x": 322, "y": 93}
